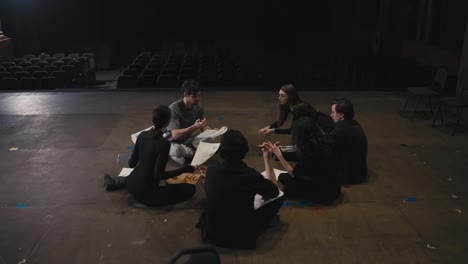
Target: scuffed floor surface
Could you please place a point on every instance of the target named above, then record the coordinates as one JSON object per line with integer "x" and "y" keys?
{"x": 55, "y": 147}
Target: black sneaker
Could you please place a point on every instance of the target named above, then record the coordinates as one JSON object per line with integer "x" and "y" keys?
{"x": 108, "y": 181}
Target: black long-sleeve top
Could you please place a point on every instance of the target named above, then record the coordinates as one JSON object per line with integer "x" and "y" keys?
{"x": 284, "y": 116}
{"x": 280, "y": 122}
{"x": 350, "y": 151}
{"x": 230, "y": 192}
{"x": 149, "y": 158}
{"x": 316, "y": 171}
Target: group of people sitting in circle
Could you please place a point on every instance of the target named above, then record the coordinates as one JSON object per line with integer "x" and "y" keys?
{"x": 331, "y": 151}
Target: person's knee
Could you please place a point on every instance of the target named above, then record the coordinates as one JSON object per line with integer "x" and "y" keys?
{"x": 283, "y": 177}
{"x": 179, "y": 150}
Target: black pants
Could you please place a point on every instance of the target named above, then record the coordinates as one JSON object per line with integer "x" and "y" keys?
{"x": 300, "y": 189}
{"x": 164, "y": 195}
{"x": 265, "y": 214}
{"x": 262, "y": 219}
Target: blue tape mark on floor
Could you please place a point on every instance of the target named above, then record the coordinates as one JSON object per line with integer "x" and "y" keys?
{"x": 412, "y": 199}
{"x": 305, "y": 203}
{"x": 286, "y": 203}
{"x": 221, "y": 118}
{"x": 130, "y": 147}
{"x": 21, "y": 205}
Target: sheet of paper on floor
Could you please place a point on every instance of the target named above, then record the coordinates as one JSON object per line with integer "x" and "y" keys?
{"x": 125, "y": 172}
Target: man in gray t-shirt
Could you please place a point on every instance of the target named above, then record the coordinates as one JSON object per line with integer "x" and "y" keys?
{"x": 187, "y": 116}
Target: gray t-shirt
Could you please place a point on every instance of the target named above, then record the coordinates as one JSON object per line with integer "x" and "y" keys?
{"x": 182, "y": 117}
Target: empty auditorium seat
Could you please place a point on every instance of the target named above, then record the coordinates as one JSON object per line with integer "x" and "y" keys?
{"x": 19, "y": 60}
{"x": 79, "y": 65}
{"x": 146, "y": 81}
{"x": 58, "y": 55}
{"x": 35, "y": 60}
{"x": 150, "y": 71}
{"x": 131, "y": 72}
{"x": 14, "y": 69}
{"x": 50, "y": 68}
{"x": 126, "y": 81}
{"x": 59, "y": 78}
{"x": 29, "y": 56}
{"x": 48, "y": 83}
{"x": 43, "y": 55}
{"x": 25, "y": 64}
{"x": 58, "y": 64}
{"x": 27, "y": 83}
{"x": 21, "y": 74}
{"x": 66, "y": 60}
{"x": 166, "y": 81}
{"x": 2, "y": 69}
{"x": 91, "y": 61}
{"x": 42, "y": 64}
{"x": 39, "y": 74}
{"x": 8, "y": 64}
{"x": 138, "y": 67}
{"x": 69, "y": 74}
{"x": 50, "y": 59}
{"x": 32, "y": 69}
{"x": 5, "y": 75}
{"x": 8, "y": 84}
{"x": 73, "y": 55}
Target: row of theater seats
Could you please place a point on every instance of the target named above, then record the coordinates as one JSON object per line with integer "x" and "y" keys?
{"x": 166, "y": 71}
{"x": 39, "y": 72}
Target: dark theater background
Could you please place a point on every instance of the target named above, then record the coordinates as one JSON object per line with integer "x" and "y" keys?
{"x": 351, "y": 44}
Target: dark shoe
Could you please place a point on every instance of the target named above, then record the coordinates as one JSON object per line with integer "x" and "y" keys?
{"x": 108, "y": 179}
{"x": 114, "y": 183}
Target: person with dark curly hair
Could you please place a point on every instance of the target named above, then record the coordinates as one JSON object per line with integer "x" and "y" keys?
{"x": 187, "y": 118}
{"x": 229, "y": 218}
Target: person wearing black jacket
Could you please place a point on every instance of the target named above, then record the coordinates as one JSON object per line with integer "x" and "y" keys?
{"x": 349, "y": 143}
{"x": 314, "y": 177}
{"x": 149, "y": 158}
{"x": 229, "y": 219}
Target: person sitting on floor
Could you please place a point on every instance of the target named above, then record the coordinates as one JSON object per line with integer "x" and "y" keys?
{"x": 313, "y": 177}
{"x": 229, "y": 219}
{"x": 149, "y": 158}
{"x": 349, "y": 143}
{"x": 187, "y": 117}
{"x": 288, "y": 101}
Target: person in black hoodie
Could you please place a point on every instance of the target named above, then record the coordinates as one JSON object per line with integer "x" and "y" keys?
{"x": 229, "y": 219}
{"x": 349, "y": 143}
{"x": 149, "y": 158}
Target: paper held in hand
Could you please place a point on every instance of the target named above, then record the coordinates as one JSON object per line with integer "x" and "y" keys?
{"x": 259, "y": 201}
{"x": 208, "y": 135}
{"x": 204, "y": 152}
{"x": 212, "y": 133}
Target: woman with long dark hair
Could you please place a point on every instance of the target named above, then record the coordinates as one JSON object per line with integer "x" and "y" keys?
{"x": 288, "y": 101}
{"x": 314, "y": 177}
{"x": 149, "y": 158}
